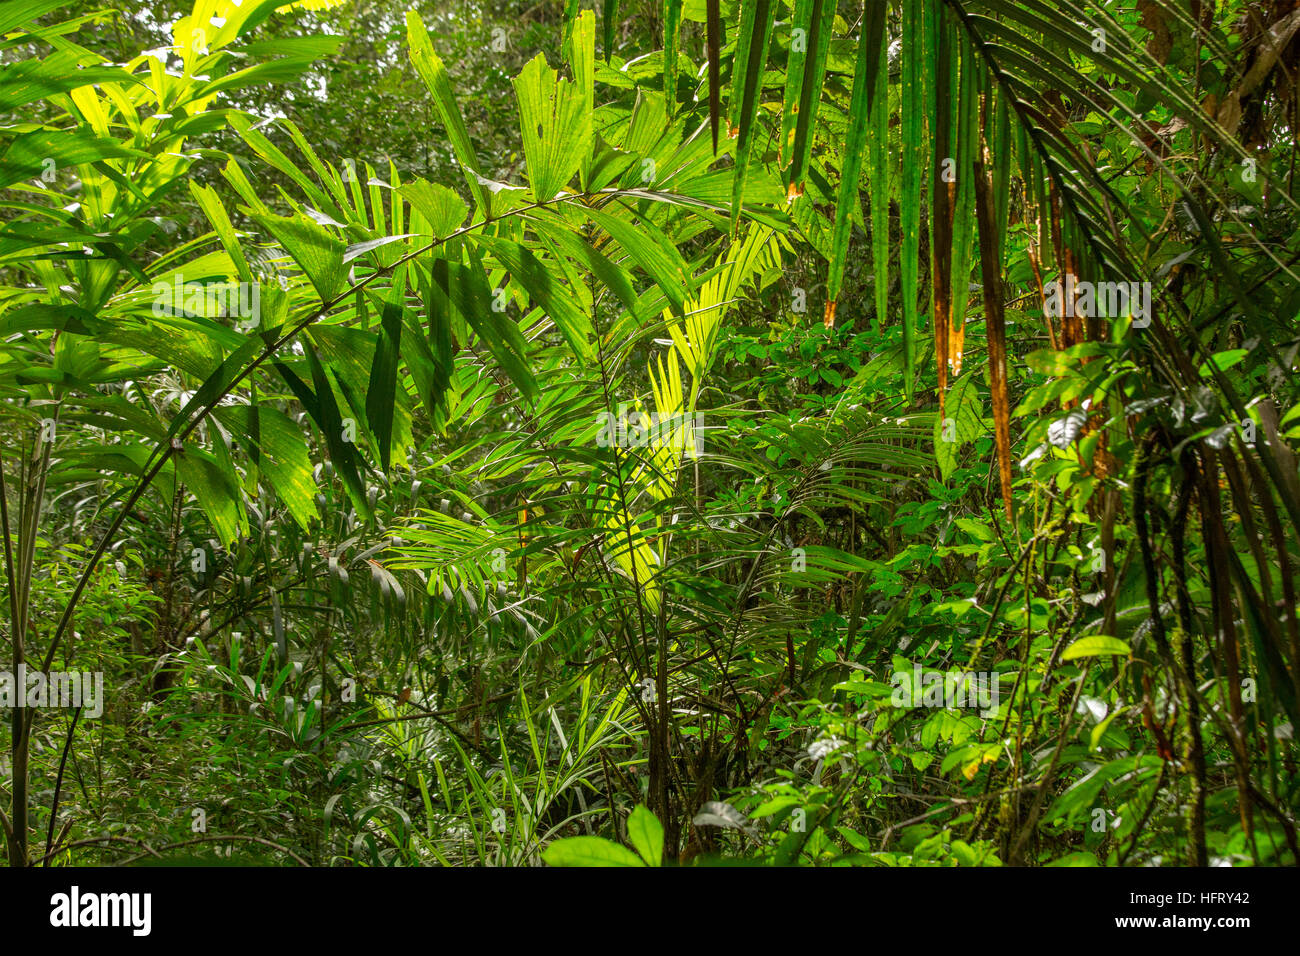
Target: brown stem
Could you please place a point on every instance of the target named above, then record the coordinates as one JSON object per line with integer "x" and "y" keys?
{"x": 1194, "y": 747}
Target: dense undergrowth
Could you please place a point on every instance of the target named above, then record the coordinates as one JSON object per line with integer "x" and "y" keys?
{"x": 470, "y": 435}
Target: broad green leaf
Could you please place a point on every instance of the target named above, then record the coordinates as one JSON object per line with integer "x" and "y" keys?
{"x": 672, "y": 28}
{"x": 581, "y": 54}
{"x": 381, "y": 397}
{"x": 428, "y": 375}
{"x": 323, "y": 408}
{"x": 317, "y": 253}
{"x": 42, "y": 316}
{"x": 30, "y": 80}
{"x": 578, "y": 249}
{"x": 216, "y": 383}
{"x": 776, "y": 805}
{"x": 962, "y": 425}
{"x": 1077, "y": 858}
{"x": 1096, "y": 645}
{"x": 210, "y": 203}
{"x": 31, "y": 154}
{"x": 464, "y": 288}
{"x": 285, "y": 69}
{"x": 441, "y": 208}
{"x": 272, "y": 154}
{"x": 1222, "y": 361}
{"x": 540, "y": 283}
{"x": 21, "y": 13}
{"x": 589, "y": 851}
{"x": 349, "y": 354}
{"x": 279, "y": 449}
{"x": 646, "y": 834}
{"x": 434, "y": 73}
{"x": 555, "y": 125}
{"x": 214, "y": 487}
{"x": 661, "y": 261}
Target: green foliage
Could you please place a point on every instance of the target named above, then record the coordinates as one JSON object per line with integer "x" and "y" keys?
{"x": 423, "y": 422}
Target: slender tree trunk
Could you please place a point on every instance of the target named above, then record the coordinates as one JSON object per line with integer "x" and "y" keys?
{"x": 20, "y": 580}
